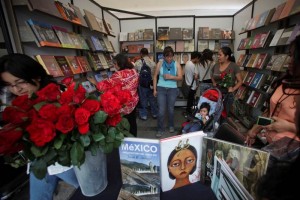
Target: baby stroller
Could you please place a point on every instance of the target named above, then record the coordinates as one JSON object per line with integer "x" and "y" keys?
{"x": 214, "y": 98}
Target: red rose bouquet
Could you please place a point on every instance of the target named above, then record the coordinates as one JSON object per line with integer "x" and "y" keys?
{"x": 226, "y": 79}
{"x": 54, "y": 126}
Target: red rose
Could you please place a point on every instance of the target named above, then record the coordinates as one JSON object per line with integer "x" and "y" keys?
{"x": 113, "y": 121}
{"x": 22, "y": 102}
{"x": 13, "y": 115}
{"x": 48, "y": 112}
{"x": 223, "y": 74}
{"x": 50, "y": 93}
{"x": 110, "y": 103}
{"x": 66, "y": 97}
{"x": 124, "y": 96}
{"x": 82, "y": 116}
{"x": 79, "y": 94}
{"x": 65, "y": 109}
{"x": 91, "y": 105}
{"x": 84, "y": 128}
{"x": 65, "y": 123}
{"x": 68, "y": 81}
{"x": 103, "y": 86}
{"x": 41, "y": 132}
{"x": 33, "y": 114}
{"x": 9, "y": 138}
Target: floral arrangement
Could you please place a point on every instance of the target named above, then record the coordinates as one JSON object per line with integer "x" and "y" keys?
{"x": 59, "y": 126}
{"x": 226, "y": 79}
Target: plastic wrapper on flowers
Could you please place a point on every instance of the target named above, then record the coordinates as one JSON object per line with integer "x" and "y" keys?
{"x": 59, "y": 126}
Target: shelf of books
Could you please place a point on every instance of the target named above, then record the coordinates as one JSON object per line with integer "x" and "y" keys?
{"x": 265, "y": 58}
{"x": 214, "y": 38}
{"x": 80, "y": 38}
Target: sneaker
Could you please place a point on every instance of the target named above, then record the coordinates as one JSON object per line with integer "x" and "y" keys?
{"x": 171, "y": 129}
{"x": 143, "y": 118}
{"x": 159, "y": 134}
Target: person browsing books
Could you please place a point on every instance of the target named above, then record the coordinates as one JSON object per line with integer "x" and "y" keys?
{"x": 129, "y": 78}
{"x": 146, "y": 91}
{"x": 165, "y": 88}
{"x": 205, "y": 69}
{"x": 22, "y": 75}
{"x": 226, "y": 75}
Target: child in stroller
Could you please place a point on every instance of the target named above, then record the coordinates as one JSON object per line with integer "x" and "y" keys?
{"x": 202, "y": 117}
{"x": 212, "y": 100}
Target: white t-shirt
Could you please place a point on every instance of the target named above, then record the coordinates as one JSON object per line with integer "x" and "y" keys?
{"x": 202, "y": 71}
{"x": 189, "y": 71}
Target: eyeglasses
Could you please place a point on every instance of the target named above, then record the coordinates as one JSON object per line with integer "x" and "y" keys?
{"x": 18, "y": 85}
{"x": 291, "y": 86}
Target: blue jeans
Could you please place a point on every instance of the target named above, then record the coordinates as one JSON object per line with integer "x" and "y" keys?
{"x": 192, "y": 127}
{"x": 44, "y": 189}
{"x": 146, "y": 96}
{"x": 166, "y": 99}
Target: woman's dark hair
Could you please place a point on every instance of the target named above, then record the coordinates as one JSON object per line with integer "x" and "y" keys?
{"x": 24, "y": 67}
{"x": 207, "y": 55}
{"x": 227, "y": 52}
{"x": 172, "y": 154}
{"x": 195, "y": 54}
{"x": 123, "y": 61}
{"x": 168, "y": 51}
{"x": 205, "y": 105}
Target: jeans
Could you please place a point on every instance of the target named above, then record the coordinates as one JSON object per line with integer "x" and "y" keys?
{"x": 228, "y": 102}
{"x": 192, "y": 127}
{"x": 166, "y": 99}
{"x": 44, "y": 189}
{"x": 146, "y": 96}
{"x": 190, "y": 100}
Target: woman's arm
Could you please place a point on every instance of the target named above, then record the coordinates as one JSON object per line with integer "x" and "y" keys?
{"x": 178, "y": 76}
{"x": 281, "y": 125}
{"x": 238, "y": 84}
{"x": 155, "y": 75}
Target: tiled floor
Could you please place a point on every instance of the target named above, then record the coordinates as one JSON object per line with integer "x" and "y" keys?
{"x": 146, "y": 129}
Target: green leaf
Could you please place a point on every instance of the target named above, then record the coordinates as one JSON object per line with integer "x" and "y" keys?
{"x": 93, "y": 148}
{"x": 119, "y": 136}
{"x": 111, "y": 134}
{"x": 117, "y": 143}
{"x": 39, "y": 168}
{"x": 59, "y": 141}
{"x": 49, "y": 157}
{"x": 39, "y": 105}
{"x": 98, "y": 137}
{"x": 125, "y": 124}
{"x": 38, "y": 151}
{"x": 85, "y": 140}
{"x": 77, "y": 154}
{"x": 100, "y": 117}
{"x": 108, "y": 148}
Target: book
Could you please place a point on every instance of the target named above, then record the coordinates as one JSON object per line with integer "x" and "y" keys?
{"x": 202, "y": 44}
{"x": 248, "y": 56}
{"x": 285, "y": 36}
{"x": 263, "y": 39}
{"x": 83, "y": 63}
{"x": 75, "y": 67}
{"x": 64, "y": 65}
{"x": 239, "y": 159}
{"x": 241, "y": 59}
{"x": 103, "y": 60}
{"x": 76, "y": 40}
{"x": 261, "y": 61}
{"x": 43, "y": 33}
{"x": 277, "y": 62}
{"x": 189, "y": 45}
{"x": 172, "y": 160}
{"x": 205, "y": 34}
{"x": 82, "y": 42}
{"x": 140, "y": 167}
{"x": 240, "y": 92}
{"x": 175, "y": 34}
{"x": 287, "y": 9}
{"x": 46, "y": 7}
{"x": 278, "y": 11}
{"x": 108, "y": 28}
{"x": 67, "y": 12}
{"x": 276, "y": 37}
{"x": 252, "y": 60}
{"x": 295, "y": 33}
{"x": 63, "y": 37}
{"x": 184, "y": 57}
{"x": 187, "y": 33}
{"x": 102, "y": 27}
{"x": 50, "y": 65}
{"x": 295, "y": 8}
{"x": 90, "y": 19}
{"x": 163, "y": 33}
{"x": 256, "y": 80}
{"x": 248, "y": 79}
{"x": 179, "y": 46}
{"x": 107, "y": 44}
{"x": 265, "y": 17}
{"x": 88, "y": 86}
{"x": 79, "y": 14}
{"x": 227, "y": 34}
{"x": 148, "y": 34}
{"x": 249, "y": 96}
{"x": 249, "y": 43}
{"x": 96, "y": 44}
{"x": 123, "y": 36}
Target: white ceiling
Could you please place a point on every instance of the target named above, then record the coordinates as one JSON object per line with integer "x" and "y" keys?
{"x": 174, "y": 7}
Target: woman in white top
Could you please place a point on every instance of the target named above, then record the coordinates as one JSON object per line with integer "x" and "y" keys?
{"x": 204, "y": 70}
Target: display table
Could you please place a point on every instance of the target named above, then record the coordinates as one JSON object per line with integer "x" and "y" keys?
{"x": 111, "y": 192}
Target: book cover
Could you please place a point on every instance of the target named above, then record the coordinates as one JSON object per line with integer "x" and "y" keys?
{"x": 103, "y": 60}
{"x": 285, "y": 36}
{"x": 46, "y": 7}
{"x": 187, "y": 33}
{"x": 50, "y": 65}
{"x": 254, "y": 22}
{"x": 82, "y": 42}
{"x": 79, "y": 14}
{"x": 67, "y": 12}
{"x": 287, "y": 9}
{"x": 75, "y": 67}
{"x": 241, "y": 59}
{"x": 202, "y": 44}
{"x": 240, "y": 92}
{"x": 184, "y": 57}
{"x": 278, "y": 62}
{"x": 225, "y": 184}
{"x": 276, "y": 37}
{"x": 44, "y": 33}
{"x": 83, "y": 63}
{"x": 91, "y": 21}
{"x": 64, "y": 65}
{"x": 140, "y": 167}
{"x": 102, "y": 27}
{"x": 239, "y": 158}
{"x": 63, "y": 37}
{"x": 108, "y": 28}
{"x": 252, "y": 60}
{"x": 175, "y": 34}
{"x": 189, "y": 45}
{"x": 261, "y": 61}
{"x": 97, "y": 62}
{"x": 249, "y": 43}
{"x": 295, "y": 8}
{"x": 96, "y": 43}
{"x": 179, "y": 46}
{"x": 228, "y": 34}
{"x": 278, "y": 11}
{"x": 256, "y": 80}
{"x": 103, "y": 43}
{"x": 295, "y": 33}
{"x": 249, "y": 78}
{"x": 248, "y": 56}
{"x": 148, "y": 34}
{"x": 107, "y": 44}
{"x": 123, "y": 36}
{"x": 176, "y": 152}
{"x": 265, "y": 17}
{"x": 205, "y": 34}
{"x": 263, "y": 39}
{"x": 88, "y": 86}
{"x": 256, "y": 41}
{"x": 75, "y": 40}
{"x": 162, "y": 33}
